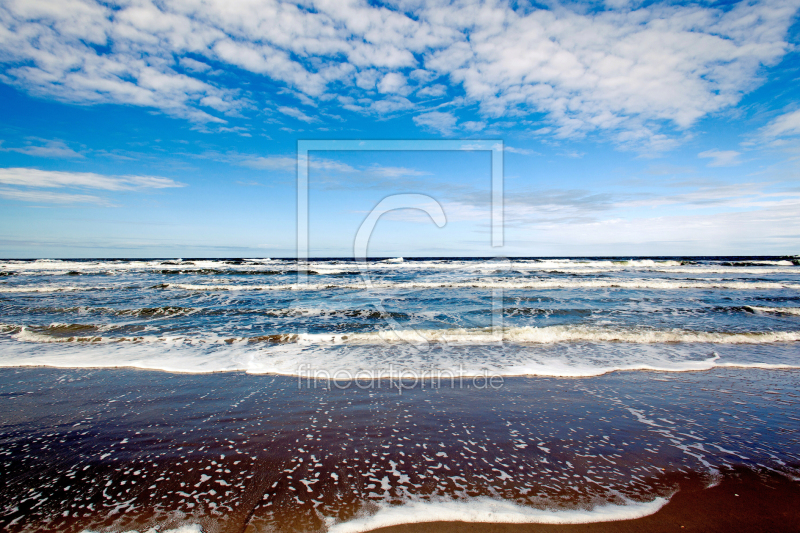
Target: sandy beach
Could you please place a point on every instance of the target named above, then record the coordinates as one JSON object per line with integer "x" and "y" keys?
{"x": 130, "y": 450}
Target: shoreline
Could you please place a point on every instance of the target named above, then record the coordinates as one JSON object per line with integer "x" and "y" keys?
{"x": 722, "y": 366}
{"x": 744, "y": 500}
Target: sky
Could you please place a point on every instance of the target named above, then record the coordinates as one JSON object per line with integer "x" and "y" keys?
{"x": 170, "y": 129}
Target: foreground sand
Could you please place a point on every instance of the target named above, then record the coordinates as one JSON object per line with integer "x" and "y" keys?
{"x": 744, "y": 501}
{"x": 124, "y": 450}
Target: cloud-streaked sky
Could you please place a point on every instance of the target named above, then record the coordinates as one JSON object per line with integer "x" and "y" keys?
{"x": 139, "y": 128}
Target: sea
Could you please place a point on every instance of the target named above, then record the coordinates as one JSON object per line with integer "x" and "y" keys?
{"x": 336, "y": 395}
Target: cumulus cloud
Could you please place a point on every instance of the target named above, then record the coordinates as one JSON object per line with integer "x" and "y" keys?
{"x": 433, "y": 91}
{"x": 473, "y": 125}
{"x": 637, "y": 73}
{"x": 393, "y": 83}
{"x": 721, "y": 158}
{"x": 436, "y": 121}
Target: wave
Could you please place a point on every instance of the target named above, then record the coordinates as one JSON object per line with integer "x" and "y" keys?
{"x": 763, "y": 366}
{"x": 465, "y": 336}
{"x": 531, "y": 311}
{"x": 174, "y": 311}
{"x": 551, "y": 335}
{"x": 57, "y": 332}
{"x": 156, "y": 312}
{"x": 795, "y": 311}
{"x": 230, "y": 272}
{"x": 490, "y": 510}
{"x": 510, "y": 285}
{"x": 48, "y": 288}
{"x": 234, "y": 266}
{"x": 782, "y": 262}
{"x": 286, "y": 355}
{"x": 474, "y": 510}
{"x": 342, "y": 313}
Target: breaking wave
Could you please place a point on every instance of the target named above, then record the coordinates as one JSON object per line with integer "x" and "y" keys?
{"x": 795, "y": 311}
{"x": 543, "y": 284}
{"x": 464, "y": 336}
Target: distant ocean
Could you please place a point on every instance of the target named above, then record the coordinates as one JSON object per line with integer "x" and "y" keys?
{"x": 286, "y": 396}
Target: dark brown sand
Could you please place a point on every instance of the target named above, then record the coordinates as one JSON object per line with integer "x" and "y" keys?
{"x": 123, "y": 450}
{"x": 744, "y": 501}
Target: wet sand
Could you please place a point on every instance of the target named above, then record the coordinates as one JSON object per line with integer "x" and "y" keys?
{"x": 127, "y": 450}
{"x": 744, "y": 501}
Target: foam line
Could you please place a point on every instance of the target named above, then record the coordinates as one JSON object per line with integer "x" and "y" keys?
{"x": 488, "y": 510}
{"x": 510, "y": 285}
{"x": 350, "y": 362}
{"x": 551, "y": 335}
{"x": 471, "y": 336}
{"x": 189, "y": 528}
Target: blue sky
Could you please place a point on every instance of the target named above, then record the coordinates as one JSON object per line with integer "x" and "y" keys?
{"x": 155, "y": 129}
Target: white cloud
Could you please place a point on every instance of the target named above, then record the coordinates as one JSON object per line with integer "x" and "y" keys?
{"x": 390, "y": 105}
{"x": 366, "y": 79}
{"x": 786, "y": 124}
{"x": 393, "y": 83}
{"x": 286, "y": 163}
{"x": 422, "y": 75}
{"x": 373, "y": 175}
{"x": 521, "y": 151}
{"x": 721, "y": 158}
{"x": 633, "y": 73}
{"x": 31, "y": 177}
{"x": 283, "y": 163}
{"x": 51, "y": 197}
{"x": 54, "y": 149}
{"x": 771, "y": 229}
{"x": 194, "y": 65}
{"x": 625, "y": 71}
{"x": 394, "y": 172}
{"x": 473, "y": 125}
{"x": 437, "y": 121}
{"x": 433, "y": 91}
{"x": 296, "y": 113}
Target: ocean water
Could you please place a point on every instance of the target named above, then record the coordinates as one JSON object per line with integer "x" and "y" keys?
{"x": 546, "y": 317}
{"x": 266, "y": 395}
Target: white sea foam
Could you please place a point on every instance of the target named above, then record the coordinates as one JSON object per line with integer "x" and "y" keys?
{"x": 368, "y": 361}
{"x": 764, "y": 366}
{"x": 584, "y": 266}
{"x": 459, "y": 336}
{"x": 542, "y": 284}
{"x": 48, "y": 288}
{"x": 509, "y": 284}
{"x": 776, "y": 310}
{"x": 488, "y": 510}
{"x": 189, "y": 528}
{"x": 553, "y": 334}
